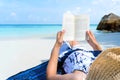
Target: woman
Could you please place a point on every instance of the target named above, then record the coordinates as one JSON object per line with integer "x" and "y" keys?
{"x": 76, "y": 67}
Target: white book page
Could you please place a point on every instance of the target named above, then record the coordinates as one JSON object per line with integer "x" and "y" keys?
{"x": 69, "y": 30}
{"x": 68, "y": 26}
{"x": 81, "y": 26}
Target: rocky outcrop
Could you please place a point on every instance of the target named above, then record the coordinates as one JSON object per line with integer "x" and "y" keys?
{"x": 110, "y": 22}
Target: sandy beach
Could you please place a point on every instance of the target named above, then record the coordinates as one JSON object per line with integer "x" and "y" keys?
{"x": 20, "y": 54}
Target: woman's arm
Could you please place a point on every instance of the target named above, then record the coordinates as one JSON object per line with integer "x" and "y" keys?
{"x": 52, "y": 64}
{"x": 92, "y": 41}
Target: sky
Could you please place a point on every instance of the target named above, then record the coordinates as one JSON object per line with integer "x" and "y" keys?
{"x": 51, "y": 11}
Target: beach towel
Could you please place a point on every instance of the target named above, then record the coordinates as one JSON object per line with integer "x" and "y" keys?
{"x": 39, "y": 72}
{"x": 36, "y": 73}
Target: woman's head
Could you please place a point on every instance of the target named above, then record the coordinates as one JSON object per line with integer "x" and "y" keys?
{"x": 106, "y": 66}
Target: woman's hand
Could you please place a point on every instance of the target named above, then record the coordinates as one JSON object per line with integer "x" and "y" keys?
{"x": 92, "y": 41}
{"x": 59, "y": 38}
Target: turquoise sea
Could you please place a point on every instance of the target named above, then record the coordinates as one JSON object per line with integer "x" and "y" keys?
{"x": 28, "y": 30}
{"x": 48, "y": 31}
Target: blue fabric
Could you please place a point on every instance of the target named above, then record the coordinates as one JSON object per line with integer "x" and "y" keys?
{"x": 35, "y": 73}
{"x": 39, "y": 72}
{"x": 80, "y": 59}
{"x": 96, "y": 53}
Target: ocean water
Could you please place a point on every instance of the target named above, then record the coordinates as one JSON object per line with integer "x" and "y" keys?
{"x": 48, "y": 31}
{"x": 28, "y": 30}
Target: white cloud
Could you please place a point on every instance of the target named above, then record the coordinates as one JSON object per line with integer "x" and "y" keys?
{"x": 34, "y": 18}
{"x": 45, "y": 19}
{"x": 106, "y": 5}
{"x": 115, "y": 2}
{"x": 89, "y": 10}
{"x": 68, "y": 12}
{"x": 78, "y": 8}
{"x": 110, "y": 2}
{"x": 94, "y": 2}
{"x": 13, "y": 14}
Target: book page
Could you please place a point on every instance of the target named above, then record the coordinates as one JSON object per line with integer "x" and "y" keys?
{"x": 68, "y": 26}
{"x": 81, "y": 26}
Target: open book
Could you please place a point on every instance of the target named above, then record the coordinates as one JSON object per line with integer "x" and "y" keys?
{"x": 75, "y": 26}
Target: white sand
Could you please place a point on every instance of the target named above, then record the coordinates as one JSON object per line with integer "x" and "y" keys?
{"x": 17, "y": 55}
{"x": 20, "y": 54}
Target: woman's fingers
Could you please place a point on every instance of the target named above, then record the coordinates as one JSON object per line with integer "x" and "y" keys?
{"x": 92, "y": 35}
{"x": 89, "y": 37}
{"x": 60, "y": 35}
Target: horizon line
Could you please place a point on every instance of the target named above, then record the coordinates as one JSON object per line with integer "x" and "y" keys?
{"x": 28, "y": 24}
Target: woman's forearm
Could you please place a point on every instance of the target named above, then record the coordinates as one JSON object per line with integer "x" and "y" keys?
{"x": 97, "y": 46}
{"x": 52, "y": 64}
